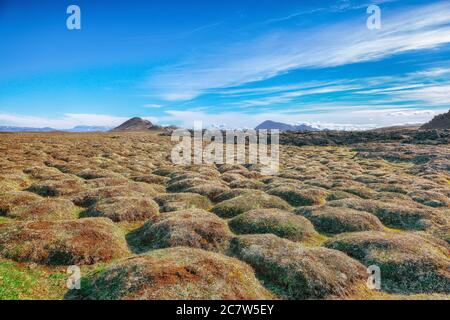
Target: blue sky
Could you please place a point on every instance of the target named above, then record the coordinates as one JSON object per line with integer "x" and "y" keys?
{"x": 232, "y": 63}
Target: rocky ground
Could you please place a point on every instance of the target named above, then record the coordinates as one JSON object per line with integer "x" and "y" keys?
{"x": 142, "y": 228}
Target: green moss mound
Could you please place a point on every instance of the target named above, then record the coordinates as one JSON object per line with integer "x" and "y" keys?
{"x": 240, "y": 204}
{"x": 298, "y": 272}
{"x": 281, "y": 223}
{"x": 409, "y": 263}
{"x": 400, "y": 214}
{"x": 299, "y": 196}
{"x": 335, "y": 220}
{"x": 182, "y": 201}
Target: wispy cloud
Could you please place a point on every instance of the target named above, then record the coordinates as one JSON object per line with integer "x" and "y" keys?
{"x": 327, "y": 46}
{"x": 354, "y": 118}
{"x": 152, "y": 106}
{"x": 201, "y": 28}
{"x": 286, "y": 97}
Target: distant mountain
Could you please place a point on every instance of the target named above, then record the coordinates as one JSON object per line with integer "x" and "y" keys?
{"x": 24, "y": 129}
{"x": 441, "y": 121}
{"x": 89, "y": 129}
{"x": 136, "y": 124}
{"x": 47, "y": 129}
{"x": 270, "y": 125}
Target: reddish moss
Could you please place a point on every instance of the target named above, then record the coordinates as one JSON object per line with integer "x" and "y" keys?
{"x": 191, "y": 228}
{"x": 83, "y": 241}
{"x": 171, "y": 274}
{"x": 124, "y": 209}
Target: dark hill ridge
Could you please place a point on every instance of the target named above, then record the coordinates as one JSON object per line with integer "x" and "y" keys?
{"x": 406, "y": 135}
{"x": 441, "y": 121}
{"x": 270, "y": 125}
{"x": 136, "y": 124}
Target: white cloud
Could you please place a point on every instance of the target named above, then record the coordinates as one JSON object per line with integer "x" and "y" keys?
{"x": 420, "y": 28}
{"x": 67, "y": 121}
{"x": 354, "y": 118}
{"x": 289, "y": 96}
{"x": 152, "y": 106}
{"x": 435, "y": 72}
{"x": 432, "y": 95}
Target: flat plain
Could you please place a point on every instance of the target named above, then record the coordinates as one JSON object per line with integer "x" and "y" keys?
{"x": 140, "y": 227}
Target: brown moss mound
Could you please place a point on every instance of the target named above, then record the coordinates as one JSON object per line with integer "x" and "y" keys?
{"x": 89, "y": 197}
{"x": 204, "y": 182}
{"x": 430, "y": 198}
{"x": 96, "y": 173}
{"x": 182, "y": 201}
{"x": 181, "y": 183}
{"x": 298, "y": 272}
{"x": 83, "y": 241}
{"x": 45, "y": 209}
{"x": 247, "y": 184}
{"x": 13, "y": 199}
{"x": 106, "y": 182}
{"x": 13, "y": 182}
{"x": 210, "y": 190}
{"x": 299, "y": 196}
{"x": 409, "y": 263}
{"x": 240, "y": 204}
{"x": 231, "y": 167}
{"x": 229, "y": 194}
{"x": 124, "y": 209}
{"x": 151, "y": 178}
{"x": 172, "y": 274}
{"x": 338, "y": 195}
{"x": 191, "y": 228}
{"x": 281, "y": 223}
{"x": 43, "y": 173}
{"x": 337, "y": 220}
{"x": 57, "y": 188}
{"x": 166, "y": 170}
